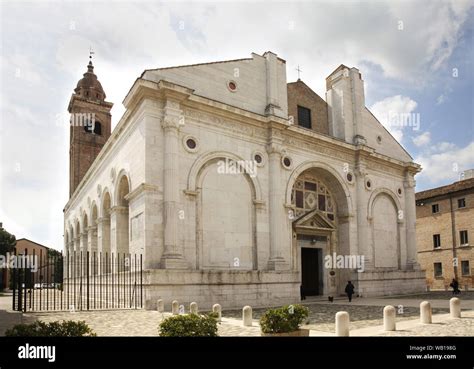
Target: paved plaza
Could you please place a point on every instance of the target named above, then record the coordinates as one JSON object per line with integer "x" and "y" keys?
{"x": 365, "y": 316}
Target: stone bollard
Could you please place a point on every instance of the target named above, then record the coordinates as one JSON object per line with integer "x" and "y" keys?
{"x": 455, "y": 307}
{"x": 193, "y": 308}
{"x": 342, "y": 324}
{"x": 389, "y": 318}
{"x": 425, "y": 312}
{"x": 175, "y": 307}
{"x": 247, "y": 316}
{"x": 216, "y": 308}
{"x": 160, "y": 306}
{"x": 466, "y": 287}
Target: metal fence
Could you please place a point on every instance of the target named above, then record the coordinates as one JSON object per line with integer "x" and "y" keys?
{"x": 77, "y": 281}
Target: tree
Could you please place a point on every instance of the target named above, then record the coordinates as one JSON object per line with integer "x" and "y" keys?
{"x": 7, "y": 241}
{"x": 7, "y": 244}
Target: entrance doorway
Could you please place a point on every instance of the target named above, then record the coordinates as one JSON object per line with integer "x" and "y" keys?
{"x": 311, "y": 271}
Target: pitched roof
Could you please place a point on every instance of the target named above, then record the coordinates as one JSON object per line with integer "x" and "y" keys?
{"x": 36, "y": 243}
{"x": 195, "y": 65}
{"x": 444, "y": 190}
{"x": 300, "y": 82}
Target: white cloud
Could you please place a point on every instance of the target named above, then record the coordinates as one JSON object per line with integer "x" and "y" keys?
{"x": 444, "y": 146}
{"x": 131, "y": 36}
{"x": 396, "y": 114}
{"x": 446, "y": 166}
{"x": 423, "y": 139}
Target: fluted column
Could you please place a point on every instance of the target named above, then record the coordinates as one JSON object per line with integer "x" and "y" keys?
{"x": 172, "y": 257}
{"x": 280, "y": 243}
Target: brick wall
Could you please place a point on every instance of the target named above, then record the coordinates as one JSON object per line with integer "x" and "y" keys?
{"x": 300, "y": 94}
{"x": 428, "y": 224}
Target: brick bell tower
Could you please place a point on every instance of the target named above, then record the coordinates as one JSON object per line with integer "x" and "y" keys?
{"x": 90, "y": 125}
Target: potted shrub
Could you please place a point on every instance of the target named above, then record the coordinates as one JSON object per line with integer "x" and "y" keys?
{"x": 284, "y": 321}
{"x": 189, "y": 325}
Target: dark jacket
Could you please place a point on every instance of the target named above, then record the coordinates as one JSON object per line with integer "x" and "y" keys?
{"x": 349, "y": 289}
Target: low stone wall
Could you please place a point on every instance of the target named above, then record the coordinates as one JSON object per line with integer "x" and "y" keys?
{"x": 230, "y": 289}
{"x": 387, "y": 283}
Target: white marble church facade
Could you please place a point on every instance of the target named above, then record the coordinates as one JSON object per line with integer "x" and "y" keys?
{"x": 164, "y": 185}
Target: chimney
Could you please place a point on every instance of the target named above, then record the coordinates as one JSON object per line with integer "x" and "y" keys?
{"x": 346, "y": 103}
{"x": 276, "y": 85}
{"x": 467, "y": 174}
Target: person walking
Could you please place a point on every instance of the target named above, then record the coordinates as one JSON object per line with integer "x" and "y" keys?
{"x": 349, "y": 290}
{"x": 455, "y": 285}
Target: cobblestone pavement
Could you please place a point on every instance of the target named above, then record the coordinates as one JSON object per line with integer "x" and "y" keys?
{"x": 439, "y": 295}
{"x": 322, "y": 316}
{"x": 136, "y": 322}
{"x": 321, "y": 319}
{"x": 448, "y": 327}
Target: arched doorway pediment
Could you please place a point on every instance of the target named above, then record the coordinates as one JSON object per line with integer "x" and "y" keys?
{"x": 313, "y": 222}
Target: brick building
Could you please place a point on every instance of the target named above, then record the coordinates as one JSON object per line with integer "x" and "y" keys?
{"x": 45, "y": 272}
{"x": 445, "y": 233}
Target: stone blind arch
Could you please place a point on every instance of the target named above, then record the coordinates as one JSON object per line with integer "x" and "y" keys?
{"x": 387, "y": 193}
{"x": 122, "y": 173}
{"x": 380, "y": 191}
{"x": 105, "y": 196}
{"x": 194, "y": 177}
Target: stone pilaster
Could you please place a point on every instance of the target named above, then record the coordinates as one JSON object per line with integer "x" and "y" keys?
{"x": 279, "y": 240}
{"x": 92, "y": 240}
{"x": 77, "y": 245}
{"x": 172, "y": 257}
{"x": 410, "y": 221}
{"x": 103, "y": 235}
{"x": 364, "y": 244}
{"x": 119, "y": 229}
{"x": 83, "y": 242}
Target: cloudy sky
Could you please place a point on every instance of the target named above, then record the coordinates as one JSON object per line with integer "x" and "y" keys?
{"x": 415, "y": 58}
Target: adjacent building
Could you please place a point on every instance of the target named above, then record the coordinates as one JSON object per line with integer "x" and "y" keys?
{"x": 445, "y": 233}
{"x": 43, "y": 260}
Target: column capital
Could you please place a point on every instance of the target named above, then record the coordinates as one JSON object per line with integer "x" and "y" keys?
{"x": 119, "y": 209}
{"x": 409, "y": 183}
{"x": 103, "y": 220}
{"x": 275, "y": 147}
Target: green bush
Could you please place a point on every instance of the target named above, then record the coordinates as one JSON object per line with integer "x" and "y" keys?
{"x": 283, "y": 320}
{"x": 69, "y": 328}
{"x": 192, "y": 325}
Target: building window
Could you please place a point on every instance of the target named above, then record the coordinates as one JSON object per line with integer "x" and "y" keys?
{"x": 461, "y": 203}
{"x": 232, "y": 86}
{"x": 463, "y": 237}
{"x": 436, "y": 241}
{"x": 309, "y": 193}
{"x": 287, "y": 162}
{"x": 95, "y": 128}
{"x": 435, "y": 208}
{"x": 304, "y": 117}
{"x": 190, "y": 143}
{"x": 465, "y": 270}
{"x": 438, "y": 269}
